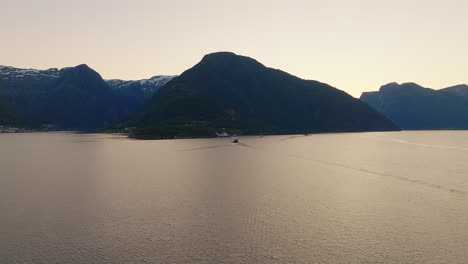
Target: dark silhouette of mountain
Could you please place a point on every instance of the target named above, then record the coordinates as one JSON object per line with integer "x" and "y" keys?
{"x": 71, "y": 98}
{"x": 134, "y": 93}
{"x": 414, "y": 107}
{"x": 9, "y": 117}
{"x": 236, "y": 93}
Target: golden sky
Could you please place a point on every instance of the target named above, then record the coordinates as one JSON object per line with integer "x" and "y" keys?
{"x": 355, "y": 46}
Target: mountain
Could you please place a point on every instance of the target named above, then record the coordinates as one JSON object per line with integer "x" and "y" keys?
{"x": 134, "y": 93}
{"x": 8, "y": 117}
{"x": 70, "y": 98}
{"x": 414, "y": 107}
{"x": 239, "y": 94}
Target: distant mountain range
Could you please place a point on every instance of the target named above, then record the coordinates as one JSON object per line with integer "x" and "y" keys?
{"x": 414, "y": 107}
{"x": 240, "y": 95}
{"x": 223, "y": 92}
{"x": 70, "y": 98}
{"x": 73, "y": 97}
{"x": 135, "y": 93}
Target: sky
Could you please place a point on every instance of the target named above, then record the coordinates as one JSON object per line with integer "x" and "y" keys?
{"x": 352, "y": 45}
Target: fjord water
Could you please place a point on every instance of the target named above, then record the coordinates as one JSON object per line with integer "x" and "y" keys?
{"x": 397, "y": 197}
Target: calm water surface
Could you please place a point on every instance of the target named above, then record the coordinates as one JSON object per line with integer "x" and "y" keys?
{"x": 333, "y": 198}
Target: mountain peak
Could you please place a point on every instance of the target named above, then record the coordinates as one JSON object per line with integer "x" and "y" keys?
{"x": 79, "y": 72}
{"x": 412, "y": 84}
{"x": 221, "y": 54}
{"x": 393, "y": 86}
{"x": 82, "y": 66}
{"x": 227, "y": 59}
{"x": 237, "y": 93}
{"x": 389, "y": 86}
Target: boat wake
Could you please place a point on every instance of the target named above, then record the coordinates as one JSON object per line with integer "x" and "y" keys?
{"x": 400, "y": 178}
{"x": 210, "y": 147}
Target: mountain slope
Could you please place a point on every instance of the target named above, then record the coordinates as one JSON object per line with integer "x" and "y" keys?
{"x": 8, "y": 117}
{"x": 414, "y": 107}
{"x": 238, "y": 93}
{"x": 134, "y": 93}
{"x": 70, "y": 98}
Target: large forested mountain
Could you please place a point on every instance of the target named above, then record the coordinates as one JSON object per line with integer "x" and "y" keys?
{"x": 414, "y": 107}
{"x": 239, "y": 94}
{"x": 70, "y": 98}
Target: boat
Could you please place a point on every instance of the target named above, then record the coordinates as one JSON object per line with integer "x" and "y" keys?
{"x": 234, "y": 139}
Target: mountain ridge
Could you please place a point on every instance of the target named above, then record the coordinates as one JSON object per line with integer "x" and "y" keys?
{"x": 75, "y": 98}
{"x": 135, "y": 92}
{"x": 225, "y": 90}
{"x": 414, "y": 107}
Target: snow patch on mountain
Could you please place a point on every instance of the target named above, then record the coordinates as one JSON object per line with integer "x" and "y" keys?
{"x": 150, "y": 85}
{"x": 12, "y": 73}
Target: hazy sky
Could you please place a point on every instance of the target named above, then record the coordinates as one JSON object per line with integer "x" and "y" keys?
{"x": 353, "y": 45}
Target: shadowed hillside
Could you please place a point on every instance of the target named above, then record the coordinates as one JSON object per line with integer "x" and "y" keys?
{"x": 412, "y": 106}
{"x": 239, "y": 94}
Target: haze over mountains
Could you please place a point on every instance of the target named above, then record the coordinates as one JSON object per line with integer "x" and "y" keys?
{"x": 239, "y": 94}
{"x": 414, "y": 107}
